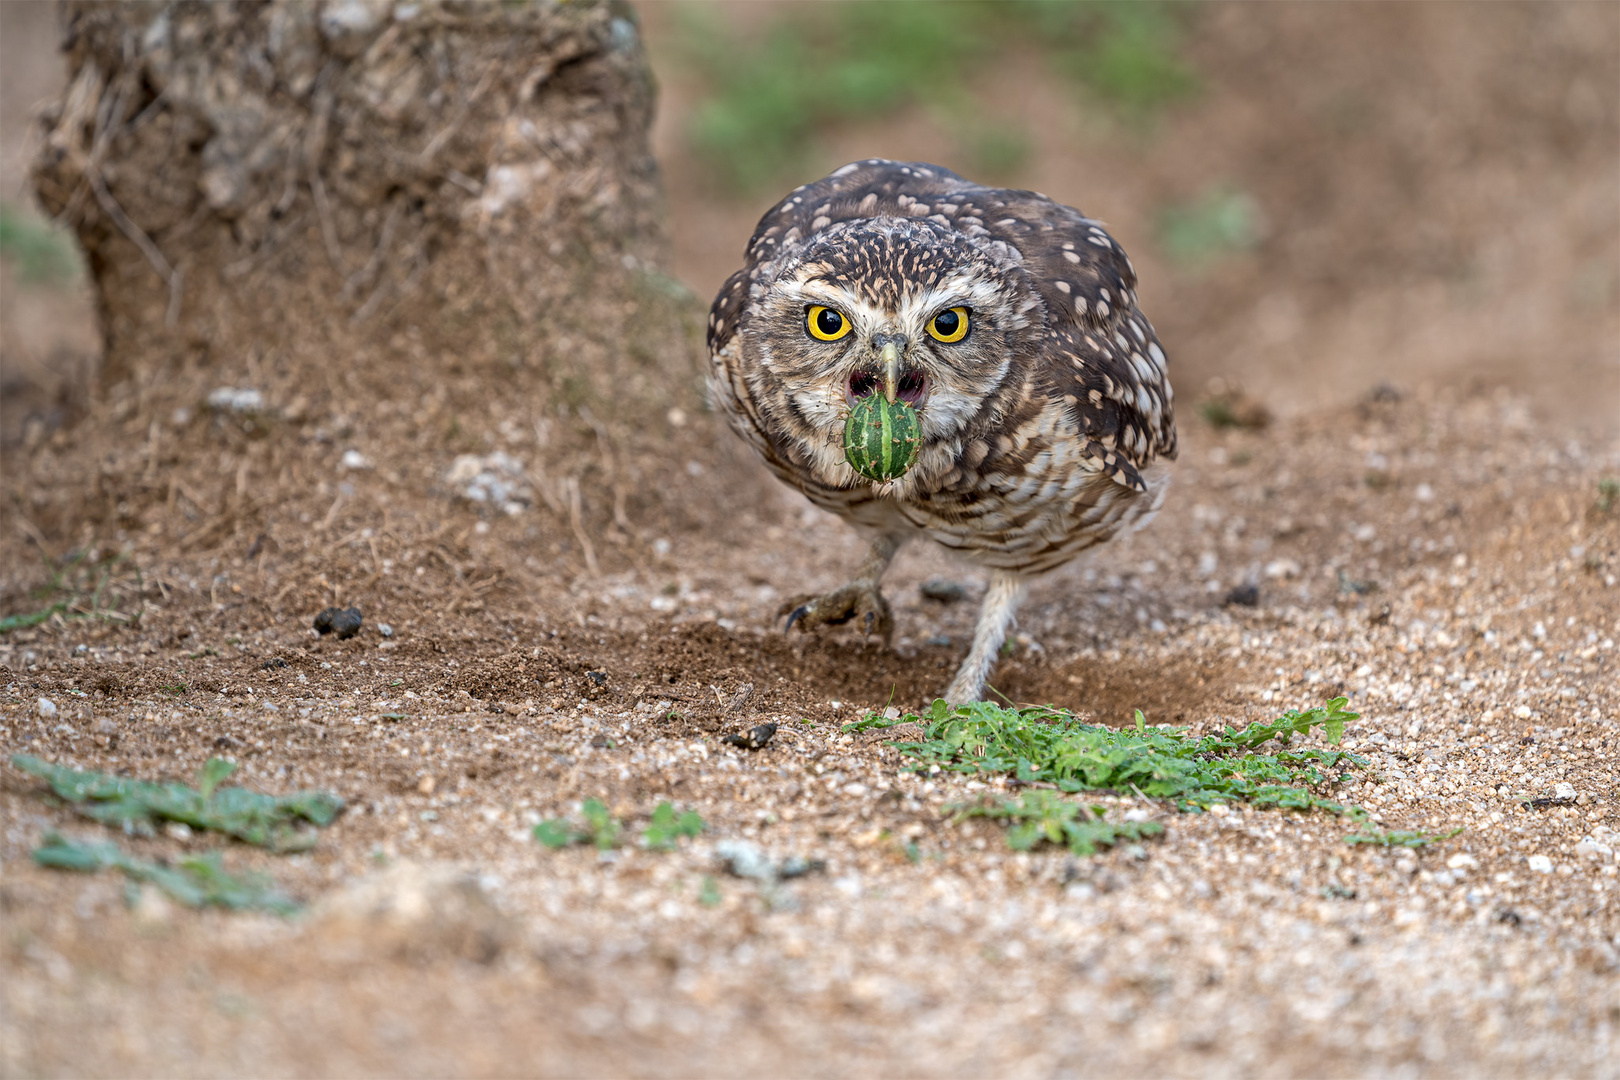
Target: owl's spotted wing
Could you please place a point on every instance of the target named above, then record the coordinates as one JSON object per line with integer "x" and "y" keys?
{"x": 1099, "y": 354}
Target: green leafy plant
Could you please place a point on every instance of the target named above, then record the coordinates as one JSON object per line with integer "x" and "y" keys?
{"x": 1045, "y": 816}
{"x": 41, "y": 253}
{"x": 1371, "y": 834}
{"x": 602, "y": 830}
{"x": 196, "y": 881}
{"x": 269, "y": 821}
{"x": 599, "y": 828}
{"x": 1608, "y": 494}
{"x": 817, "y": 67}
{"x": 1126, "y": 51}
{"x": 79, "y": 588}
{"x": 1042, "y": 745}
{"x": 1220, "y": 222}
{"x": 667, "y": 827}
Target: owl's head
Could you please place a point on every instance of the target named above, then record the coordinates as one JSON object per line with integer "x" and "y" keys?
{"x": 902, "y": 307}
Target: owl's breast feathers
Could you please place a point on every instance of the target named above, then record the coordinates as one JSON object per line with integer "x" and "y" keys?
{"x": 1088, "y": 393}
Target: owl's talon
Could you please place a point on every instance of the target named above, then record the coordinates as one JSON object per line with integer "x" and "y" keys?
{"x": 852, "y": 601}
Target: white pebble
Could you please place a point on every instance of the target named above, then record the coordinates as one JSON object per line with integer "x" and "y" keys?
{"x": 1282, "y": 568}
{"x": 1564, "y": 791}
{"x": 1591, "y": 849}
{"x": 47, "y": 709}
{"x": 1540, "y": 864}
{"x": 232, "y": 399}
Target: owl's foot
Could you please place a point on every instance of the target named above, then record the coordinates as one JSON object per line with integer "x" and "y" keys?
{"x": 859, "y": 601}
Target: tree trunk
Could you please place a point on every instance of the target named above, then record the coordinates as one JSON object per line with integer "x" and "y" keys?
{"x": 408, "y": 186}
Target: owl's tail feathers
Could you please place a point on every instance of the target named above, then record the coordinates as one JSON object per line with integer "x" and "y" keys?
{"x": 996, "y": 616}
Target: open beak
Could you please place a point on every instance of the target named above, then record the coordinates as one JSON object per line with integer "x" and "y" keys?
{"x": 891, "y": 371}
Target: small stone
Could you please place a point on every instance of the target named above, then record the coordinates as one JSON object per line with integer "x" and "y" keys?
{"x": 942, "y": 590}
{"x": 385, "y": 630}
{"x": 1540, "y": 864}
{"x": 344, "y": 622}
{"x": 798, "y": 866}
{"x": 232, "y": 399}
{"x": 1592, "y": 849}
{"x": 1564, "y": 791}
{"x": 497, "y": 479}
{"x": 47, "y": 709}
{"x": 756, "y": 738}
{"x": 745, "y": 860}
{"x": 1462, "y": 861}
{"x": 1245, "y": 595}
{"x": 1282, "y": 568}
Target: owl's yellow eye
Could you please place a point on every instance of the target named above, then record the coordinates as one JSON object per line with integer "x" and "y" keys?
{"x": 950, "y": 325}
{"x": 825, "y": 324}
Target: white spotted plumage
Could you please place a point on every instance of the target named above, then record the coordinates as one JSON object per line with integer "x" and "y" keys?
{"x": 1042, "y": 427}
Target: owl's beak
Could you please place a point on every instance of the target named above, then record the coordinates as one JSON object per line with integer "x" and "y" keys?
{"x": 891, "y": 371}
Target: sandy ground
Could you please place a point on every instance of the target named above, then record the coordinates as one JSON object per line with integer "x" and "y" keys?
{"x": 1483, "y": 665}
{"x": 1427, "y": 537}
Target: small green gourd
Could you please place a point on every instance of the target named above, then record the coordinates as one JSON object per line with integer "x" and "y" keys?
{"x": 882, "y": 438}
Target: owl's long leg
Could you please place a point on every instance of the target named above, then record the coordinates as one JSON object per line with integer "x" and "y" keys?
{"x": 860, "y": 599}
{"x": 995, "y": 616}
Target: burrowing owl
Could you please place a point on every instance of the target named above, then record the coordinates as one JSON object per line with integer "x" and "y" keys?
{"x": 1008, "y": 321}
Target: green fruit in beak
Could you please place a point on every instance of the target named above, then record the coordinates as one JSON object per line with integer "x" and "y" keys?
{"x": 882, "y": 438}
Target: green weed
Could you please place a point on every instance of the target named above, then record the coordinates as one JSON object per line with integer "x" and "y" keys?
{"x": 1233, "y": 409}
{"x": 1371, "y": 834}
{"x": 80, "y": 589}
{"x": 666, "y": 828}
{"x": 197, "y": 881}
{"x": 1046, "y": 816}
{"x": 1043, "y": 745}
{"x": 1608, "y": 494}
{"x": 821, "y": 66}
{"x": 602, "y": 829}
{"x": 267, "y": 821}
{"x": 1125, "y": 51}
{"x": 41, "y": 253}
{"x": 1220, "y": 222}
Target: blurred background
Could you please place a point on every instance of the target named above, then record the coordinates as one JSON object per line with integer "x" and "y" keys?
{"x": 1321, "y": 199}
